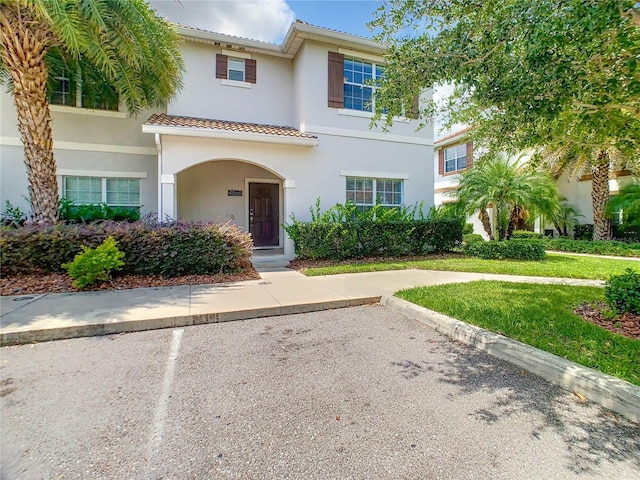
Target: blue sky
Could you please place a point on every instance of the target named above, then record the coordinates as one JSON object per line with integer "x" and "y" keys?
{"x": 269, "y": 20}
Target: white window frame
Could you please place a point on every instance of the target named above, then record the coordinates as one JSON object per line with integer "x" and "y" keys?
{"x": 103, "y": 190}
{"x": 242, "y": 70}
{"x": 375, "y": 191}
{"x": 456, "y": 159}
{"x": 76, "y": 103}
{"x": 374, "y": 77}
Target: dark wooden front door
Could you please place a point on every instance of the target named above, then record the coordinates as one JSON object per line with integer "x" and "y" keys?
{"x": 263, "y": 214}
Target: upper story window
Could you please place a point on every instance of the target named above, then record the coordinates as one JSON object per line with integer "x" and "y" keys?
{"x": 360, "y": 78}
{"x": 455, "y": 158}
{"x": 237, "y": 69}
{"x": 73, "y": 89}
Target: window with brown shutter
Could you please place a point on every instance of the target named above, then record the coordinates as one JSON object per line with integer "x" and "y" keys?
{"x": 469, "y": 154}
{"x": 441, "y": 161}
{"x": 336, "y": 80}
{"x": 221, "y": 66}
{"x": 250, "y": 70}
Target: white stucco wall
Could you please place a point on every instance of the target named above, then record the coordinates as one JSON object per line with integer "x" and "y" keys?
{"x": 268, "y": 101}
{"x": 84, "y": 141}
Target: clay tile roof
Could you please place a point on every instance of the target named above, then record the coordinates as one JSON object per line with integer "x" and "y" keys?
{"x": 164, "y": 120}
{"x": 452, "y": 135}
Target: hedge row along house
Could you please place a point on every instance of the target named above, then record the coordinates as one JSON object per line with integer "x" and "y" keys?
{"x": 454, "y": 154}
{"x": 258, "y": 132}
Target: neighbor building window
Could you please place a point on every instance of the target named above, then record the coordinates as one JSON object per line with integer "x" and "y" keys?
{"x": 455, "y": 158}
{"x": 366, "y": 192}
{"x": 115, "y": 192}
{"x": 62, "y": 93}
{"x": 360, "y": 80}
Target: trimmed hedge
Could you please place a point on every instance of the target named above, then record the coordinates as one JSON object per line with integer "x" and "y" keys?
{"x": 150, "y": 248}
{"x": 511, "y": 249}
{"x": 472, "y": 237}
{"x": 342, "y": 240}
{"x": 596, "y": 247}
{"x": 525, "y": 234}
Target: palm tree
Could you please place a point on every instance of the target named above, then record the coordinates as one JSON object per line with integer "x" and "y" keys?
{"x": 565, "y": 217}
{"x": 578, "y": 160}
{"x": 133, "y": 50}
{"x": 627, "y": 203}
{"x": 515, "y": 191}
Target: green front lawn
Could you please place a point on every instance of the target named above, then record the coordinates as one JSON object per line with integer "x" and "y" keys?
{"x": 554, "y": 265}
{"x": 539, "y": 315}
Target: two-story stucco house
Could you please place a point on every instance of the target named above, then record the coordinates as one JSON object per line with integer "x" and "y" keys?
{"x": 258, "y": 132}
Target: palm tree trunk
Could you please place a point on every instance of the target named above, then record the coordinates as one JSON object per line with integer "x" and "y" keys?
{"x": 600, "y": 197}
{"x": 23, "y": 45}
{"x": 486, "y": 222}
{"x": 513, "y": 220}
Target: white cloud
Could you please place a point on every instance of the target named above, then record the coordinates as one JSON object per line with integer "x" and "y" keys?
{"x": 266, "y": 20}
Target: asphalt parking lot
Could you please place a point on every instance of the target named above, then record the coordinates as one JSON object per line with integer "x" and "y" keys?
{"x": 342, "y": 394}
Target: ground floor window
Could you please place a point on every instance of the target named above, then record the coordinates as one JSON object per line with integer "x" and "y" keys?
{"x": 115, "y": 192}
{"x": 366, "y": 192}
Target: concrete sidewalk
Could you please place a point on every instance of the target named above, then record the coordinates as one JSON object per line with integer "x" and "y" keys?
{"x": 28, "y": 318}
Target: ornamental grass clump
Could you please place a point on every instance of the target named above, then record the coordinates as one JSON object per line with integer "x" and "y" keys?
{"x": 623, "y": 292}
{"x": 94, "y": 264}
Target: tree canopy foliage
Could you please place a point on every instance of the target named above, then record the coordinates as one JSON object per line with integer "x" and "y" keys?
{"x": 559, "y": 75}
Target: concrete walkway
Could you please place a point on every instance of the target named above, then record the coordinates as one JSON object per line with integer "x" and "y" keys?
{"x": 27, "y": 318}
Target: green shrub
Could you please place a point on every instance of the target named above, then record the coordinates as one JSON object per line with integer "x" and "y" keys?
{"x": 512, "y": 249}
{"x": 472, "y": 237}
{"x": 596, "y": 247}
{"x": 583, "y": 232}
{"x": 623, "y": 292}
{"x": 71, "y": 213}
{"x": 150, "y": 248}
{"x": 341, "y": 240}
{"x": 468, "y": 229}
{"x": 525, "y": 234}
{"x": 94, "y": 264}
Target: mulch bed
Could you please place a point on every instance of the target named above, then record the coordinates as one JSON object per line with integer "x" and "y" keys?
{"x": 627, "y": 324}
{"x": 61, "y": 283}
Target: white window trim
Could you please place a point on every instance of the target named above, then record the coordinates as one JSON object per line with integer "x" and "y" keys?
{"x": 381, "y": 175}
{"x": 364, "y": 114}
{"x": 103, "y": 189}
{"x": 454, "y": 159}
{"x": 374, "y": 65}
{"x": 63, "y": 172}
{"x": 234, "y": 83}
{"x": 375, "y": 191}
{"x": 87, "y": 111}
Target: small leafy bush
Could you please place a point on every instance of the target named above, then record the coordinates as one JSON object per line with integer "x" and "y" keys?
{"x": 94, "y": 264}
{"x": 467, "y": 229}
{"x": 12, "y": 216}
{"x": 596, "y": 247}
{"x": 71, "y": 213}
{"x": 525, "y": 234}
{"x": 583, "y": 232}
{"x": 512, "y": 249}
{"x": 623, "y": 292}
{"x": 150, "y": 248}
{"x": 344, "y": 232}
{"x": 472, "y": 237}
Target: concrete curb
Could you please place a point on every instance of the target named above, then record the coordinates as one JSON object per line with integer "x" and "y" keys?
{"x": 610, "y": 392}
{"x": 62, "y": 333}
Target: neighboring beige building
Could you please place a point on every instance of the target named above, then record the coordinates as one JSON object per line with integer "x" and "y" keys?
{"x": 453, "y": 154}
{"x": 258, "y": 132}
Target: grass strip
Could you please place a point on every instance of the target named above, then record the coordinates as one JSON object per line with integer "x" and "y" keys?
{"x": 538, "y": 315}
{"x": 554, "y": 265}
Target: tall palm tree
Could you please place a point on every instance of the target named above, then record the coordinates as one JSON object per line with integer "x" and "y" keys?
{"x": 598, "y": 162}
{"x": 511, "y": 187}
{"x": 134, "y": 51}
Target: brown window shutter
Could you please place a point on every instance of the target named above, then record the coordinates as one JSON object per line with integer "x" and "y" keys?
{"x": 336, "y": 80}
{"x": 415, "y": 108}
{"x": 469, "y": 154}
{"x": 221, "y": 66}
{"x": 250, "y": 71}
{"x": 441, "y": 161}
